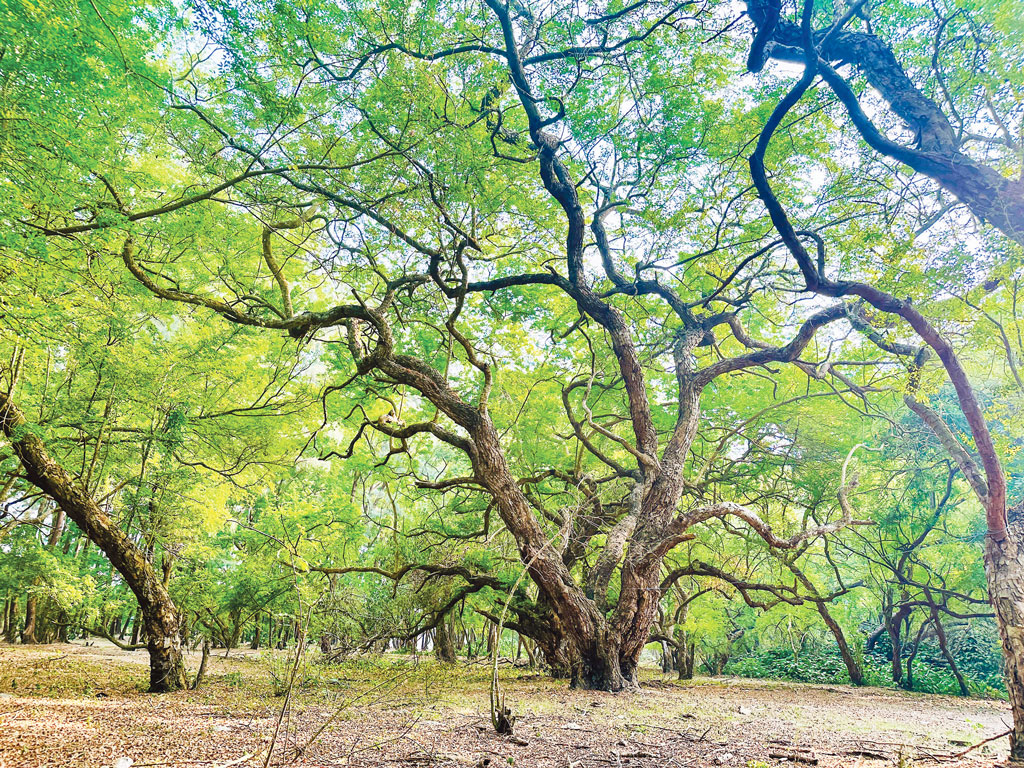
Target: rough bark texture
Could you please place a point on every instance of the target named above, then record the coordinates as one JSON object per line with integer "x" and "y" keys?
{"x": 167, "y": 669}
{"x": 1004, "y": 566}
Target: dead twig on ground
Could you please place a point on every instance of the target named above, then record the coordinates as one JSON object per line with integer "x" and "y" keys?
{"x": 973, "y": 747}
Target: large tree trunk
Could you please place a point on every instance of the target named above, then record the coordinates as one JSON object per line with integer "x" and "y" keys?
{"x": 167, "y": 668}
{"x": 556, "y": 655}
{"x": 600, "y": 667}
{"x": 1004, "y": 565}
{"x": 592, "y": 646}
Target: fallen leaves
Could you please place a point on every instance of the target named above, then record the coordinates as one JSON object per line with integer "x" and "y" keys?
{"x": 444, "y": 724}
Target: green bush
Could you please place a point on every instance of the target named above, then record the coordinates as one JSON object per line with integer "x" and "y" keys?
{"x": 824, "y": 665}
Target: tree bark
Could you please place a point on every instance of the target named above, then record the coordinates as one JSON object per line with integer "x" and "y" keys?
{"x": 28, "y": 632}
{"x": 1004, "y": 565}
{"x": 940, "y": 635}
{"x": 853, "y": 667}
{"x": 531, "y": 657}
{"x": 991, "y": 196}
{"x": 893, "y": 626}
{"x": 444, "y": 641}
{"x": 255, "y": 644}
{"x": 136, "y": 621}
{"x": 167, "y": 668}
{"x": 687, "y": 654}
{"x": 202, "y": 665}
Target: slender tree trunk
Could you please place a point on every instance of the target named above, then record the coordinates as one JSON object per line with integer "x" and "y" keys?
{"x": 202, "y": 665}
{"x": 872, "y": 638}
{"x": 231, "y": 641}
{"x": 32, "y": 632}
{"x": 687, "y": 655}
{"x": 940, "y": 635}
{"x": 28, "y": 633}
{"x": 530, "y": 655}
{"x": 668, "y": 658}
{"x": 892, "y": 627}
{"x": 852, "y": 666}
{"x": 136, "y": 620}
{"x": 909, "y": 682}
{"x": 167, "y": 667}
{"x": 12, "y": 619}
{"x": 255, "y": 644}
{"x": 849, "y": 659}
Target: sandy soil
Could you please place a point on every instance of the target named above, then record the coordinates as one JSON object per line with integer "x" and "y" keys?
{"x": 70, "y": 705}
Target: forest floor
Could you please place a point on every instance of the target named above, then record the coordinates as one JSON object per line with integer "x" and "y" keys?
{"x": 75, "y": 705}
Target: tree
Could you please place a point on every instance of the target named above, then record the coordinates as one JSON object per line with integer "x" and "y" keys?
{"x": 516, "y": 251}
{"x": 166, "y": 667}
{"x": 605, "y": 637}
{"x": 1004, "y": 561}
{"x": 941, "y": 149}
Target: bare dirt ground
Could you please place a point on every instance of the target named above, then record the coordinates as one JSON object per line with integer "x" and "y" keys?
{"x": 71, "y": 705}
